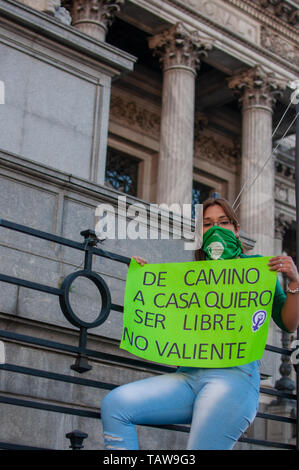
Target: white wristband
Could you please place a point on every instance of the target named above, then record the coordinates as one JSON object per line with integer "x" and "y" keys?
{"x": 293, "y": 291}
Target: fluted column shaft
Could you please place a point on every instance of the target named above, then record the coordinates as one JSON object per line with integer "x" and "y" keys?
{"x": 257, "y": 90}
{"x": 257, "y": 208}
{"x": 179, "y": 52}
{"x": 177, "y": 137}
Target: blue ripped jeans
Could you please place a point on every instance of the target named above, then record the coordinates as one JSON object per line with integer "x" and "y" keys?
{"x": 219, "y": 404}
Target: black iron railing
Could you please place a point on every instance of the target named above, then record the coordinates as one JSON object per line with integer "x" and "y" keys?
{"x": 82, "y": 353}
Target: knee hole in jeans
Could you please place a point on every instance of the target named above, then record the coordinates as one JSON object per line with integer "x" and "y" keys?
{"x": 113, "y": 439}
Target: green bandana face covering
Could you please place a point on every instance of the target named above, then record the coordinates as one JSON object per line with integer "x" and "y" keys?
{"x": 221, "y": 243}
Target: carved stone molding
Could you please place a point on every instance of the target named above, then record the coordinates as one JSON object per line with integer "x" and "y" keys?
{"x": 282, "y": 9}
{"x": 256, "y": 87}
{"x": 206, "y": 147}
{"x": 94, "y": 16}
{"x": 285, "y": 194}
{"x": 275, "y": 43}
{"x": 284, "y": 170}
{"x": 135, "y": 115}
{"x": 178, "y": 46}
{"x": 222, "y": 14}
{"x": 282, "y": 223}
{"x": 63, "y": 15}
{"x": 209, "y": 148}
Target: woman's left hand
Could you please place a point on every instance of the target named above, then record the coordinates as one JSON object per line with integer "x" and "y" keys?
{"x": 284, "y": 264}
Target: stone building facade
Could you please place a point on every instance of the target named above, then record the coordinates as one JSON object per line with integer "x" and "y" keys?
{"x": 164, "y": 102}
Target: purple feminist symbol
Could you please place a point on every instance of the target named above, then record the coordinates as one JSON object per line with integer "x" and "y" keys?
{"x": 258, "y": 319}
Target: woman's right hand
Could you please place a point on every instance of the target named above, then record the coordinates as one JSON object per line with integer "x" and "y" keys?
{"x": 139, "y": 260}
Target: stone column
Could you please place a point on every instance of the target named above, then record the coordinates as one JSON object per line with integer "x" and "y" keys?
{"x": 179, "y": 51}
{"x": 93, "y": 17}
{"x": 257, "y": 90}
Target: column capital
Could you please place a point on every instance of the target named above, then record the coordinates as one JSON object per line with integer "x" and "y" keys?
{"x": 94, "y": 16}
{"x": 256, "y": 87}
{"x": 178, "y": 47}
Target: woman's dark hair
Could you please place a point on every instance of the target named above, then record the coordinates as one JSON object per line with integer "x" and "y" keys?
{"x": 229, "y": 212}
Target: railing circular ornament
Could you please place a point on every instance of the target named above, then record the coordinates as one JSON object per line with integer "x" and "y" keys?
{"x": 64, "y": 299}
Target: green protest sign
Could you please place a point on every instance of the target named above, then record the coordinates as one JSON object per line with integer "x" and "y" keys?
{"x": 198, "y": 314}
